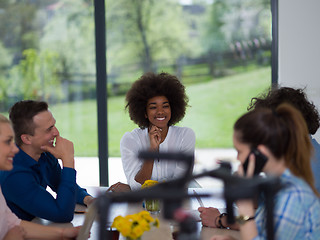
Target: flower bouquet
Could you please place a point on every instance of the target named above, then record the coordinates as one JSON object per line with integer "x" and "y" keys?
{"x": 149, "y": 183}
{"x": 134, "y": 225}
{"x": 151, "y": 205}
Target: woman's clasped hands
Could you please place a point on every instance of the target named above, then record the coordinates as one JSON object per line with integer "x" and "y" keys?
{"x": 155, "y": 137}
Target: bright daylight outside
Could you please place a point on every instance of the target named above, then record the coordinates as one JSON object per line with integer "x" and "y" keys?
{"x": 219, "y": 49}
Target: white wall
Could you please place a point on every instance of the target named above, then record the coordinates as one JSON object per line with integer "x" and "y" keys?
{"x": 299, "y": 47}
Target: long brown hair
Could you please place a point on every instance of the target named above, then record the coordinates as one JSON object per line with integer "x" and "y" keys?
{"x": 284, "y": 131}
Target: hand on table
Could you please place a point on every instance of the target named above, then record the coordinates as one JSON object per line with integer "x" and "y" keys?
{"x": 222, "y": 237}
{"x": 70, "y": 233}
{"x": 208, "y": 216}
{"x": 15, "y": 233}
{"x": 119, "y": 187}
{"x": 88, "y": 200}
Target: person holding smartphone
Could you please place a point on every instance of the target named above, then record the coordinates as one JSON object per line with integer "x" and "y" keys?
{"x": 297, "y": 98}
{"x": 281, "y": 135}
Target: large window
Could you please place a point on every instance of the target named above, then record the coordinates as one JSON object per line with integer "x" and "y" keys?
{"x": 47, "y": 52}
{"x": 220, "y": 50}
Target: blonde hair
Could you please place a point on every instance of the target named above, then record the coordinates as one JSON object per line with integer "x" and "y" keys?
{"x": 3, "y": 119}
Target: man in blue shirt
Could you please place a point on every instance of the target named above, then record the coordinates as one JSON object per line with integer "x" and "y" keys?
{"x": 35, "y": 167}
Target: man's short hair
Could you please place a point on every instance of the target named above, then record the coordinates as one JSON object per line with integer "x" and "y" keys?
{"x": 21, "y": 115}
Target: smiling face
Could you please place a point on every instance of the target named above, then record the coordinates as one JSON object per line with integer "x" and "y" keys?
{"x": 158, "y": 111}
{"x": 7, "y": 147}
{"x": 45, "y": 131}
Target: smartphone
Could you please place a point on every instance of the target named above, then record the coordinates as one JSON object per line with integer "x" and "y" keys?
{"x": 260, "y": 161}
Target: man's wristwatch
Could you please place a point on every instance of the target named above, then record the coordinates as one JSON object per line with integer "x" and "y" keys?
{"x": 243, "y": 219}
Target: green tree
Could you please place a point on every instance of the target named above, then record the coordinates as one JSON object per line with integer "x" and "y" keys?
{"x": 236, "y": 25}
{"x": 145, "y": 31}
{"x": 214, "y": 39}
{"x": 21, "y": 24}
{"x": 36, "y": 75}
{"x": 247, "y": 19}
{"x": 26, "y": 70}
{"x": 70, "y": 33}
{"x": 5, "y": 62}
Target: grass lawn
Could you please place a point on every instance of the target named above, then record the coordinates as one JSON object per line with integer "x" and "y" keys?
{"x": 215, "y": 105}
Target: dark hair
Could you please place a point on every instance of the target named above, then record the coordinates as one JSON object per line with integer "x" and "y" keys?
{"x": 296, "y": 97}
{"x": 285, "y": 133}
{"x": 151, "y": 85}
{"x": 21, "y": 115}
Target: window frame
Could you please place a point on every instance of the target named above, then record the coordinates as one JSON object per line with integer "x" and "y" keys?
{"x": 101, "y": 79}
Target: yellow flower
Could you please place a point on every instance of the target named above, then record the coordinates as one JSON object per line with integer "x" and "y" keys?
{"x": 149, "y": 183}
{"x": 137, "y": 231}
{"x": 144, "y": 225}
{"x": 146, "y": 215}
{"x": 125, "y": 230}
{"x": 134, "y": 225}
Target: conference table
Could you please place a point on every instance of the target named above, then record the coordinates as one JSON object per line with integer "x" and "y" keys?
{"x": 167, "y": 227}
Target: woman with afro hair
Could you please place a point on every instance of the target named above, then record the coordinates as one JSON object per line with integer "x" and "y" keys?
{"x": 156, "y": 102}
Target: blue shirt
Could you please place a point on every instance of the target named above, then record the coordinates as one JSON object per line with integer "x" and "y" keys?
{"x": 296, "y": 211}
{"x": 24, "y": 188}
{"x": 315, "y": 163}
